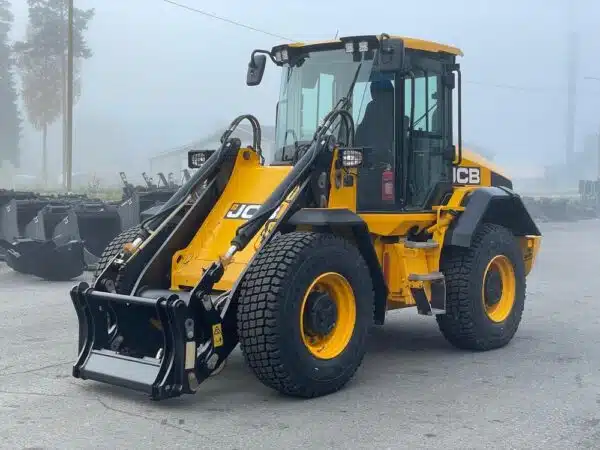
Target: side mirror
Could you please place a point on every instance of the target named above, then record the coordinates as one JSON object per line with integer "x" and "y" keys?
{"x": 391, "y": 54}
{"x": 256, "y": 69}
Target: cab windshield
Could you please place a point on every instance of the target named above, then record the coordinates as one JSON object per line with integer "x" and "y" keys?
{"x": 309, "y": 91}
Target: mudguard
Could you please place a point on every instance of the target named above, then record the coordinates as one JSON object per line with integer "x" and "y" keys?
{"x": 344, "y": 218}
{"x": 497, "y": 205}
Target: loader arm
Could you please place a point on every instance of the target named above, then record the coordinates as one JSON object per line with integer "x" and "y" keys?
{"x": 194, "y": 331}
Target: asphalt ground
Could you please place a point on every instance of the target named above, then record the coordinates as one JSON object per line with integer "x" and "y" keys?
{"x": 413, "y": 390}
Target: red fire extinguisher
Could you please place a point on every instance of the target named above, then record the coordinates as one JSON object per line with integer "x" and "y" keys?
{"x": 387, "y": 184}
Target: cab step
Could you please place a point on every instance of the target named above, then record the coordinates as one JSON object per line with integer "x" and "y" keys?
{"x": 437, "y": 305}
{"x": 432, "y": 276}
{"x": 423, "y": 245}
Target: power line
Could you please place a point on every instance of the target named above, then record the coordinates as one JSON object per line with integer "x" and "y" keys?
{"x": 513, "y": 87}
{"x": 223, "y": 19}
{"x": 558, "y": 89}
{"x": 268, "y": 33}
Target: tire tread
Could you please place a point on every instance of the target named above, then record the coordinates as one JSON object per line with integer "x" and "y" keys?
{"x": 459, "y": 325}
{"x": 257, "y": 313}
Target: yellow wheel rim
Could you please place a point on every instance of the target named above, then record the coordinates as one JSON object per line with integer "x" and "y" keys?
{"x": 339, "y": 293}
{"x": 499, "y": 288}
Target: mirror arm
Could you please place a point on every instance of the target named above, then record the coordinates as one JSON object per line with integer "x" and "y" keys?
{"x": 264, "y": 52}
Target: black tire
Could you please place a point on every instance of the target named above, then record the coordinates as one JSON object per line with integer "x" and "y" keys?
{"x": 268, "y": 315}
{"x": 114, "y": 247}
{"x": 466, "y": 325}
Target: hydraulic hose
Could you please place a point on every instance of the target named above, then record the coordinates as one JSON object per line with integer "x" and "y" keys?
{"x": 299, "y": 173}
{"x": 209, "y": 167}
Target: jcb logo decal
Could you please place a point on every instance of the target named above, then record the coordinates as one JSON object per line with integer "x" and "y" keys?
{"x": 245, "y": 211}
{"x": 242, "y": 211}
{"x": 466, "y": 175}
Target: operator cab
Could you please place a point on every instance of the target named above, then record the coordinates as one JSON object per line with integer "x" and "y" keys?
{"x": 402, "y": 114}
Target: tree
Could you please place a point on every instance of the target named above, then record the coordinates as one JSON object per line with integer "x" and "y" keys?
{"x": 42, "y": 62}
{"x": 10, "y": 119}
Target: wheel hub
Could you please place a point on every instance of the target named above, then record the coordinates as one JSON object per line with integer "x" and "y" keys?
{"x": 493, "y": 287}
{"x": 320, "y": 314}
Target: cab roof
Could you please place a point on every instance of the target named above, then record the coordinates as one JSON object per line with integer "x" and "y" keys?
{"x": 412, "y": 43}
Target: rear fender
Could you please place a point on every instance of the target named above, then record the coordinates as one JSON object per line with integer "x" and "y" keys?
{"x": 345, "y": 222}
{"x": 498, "y": 205}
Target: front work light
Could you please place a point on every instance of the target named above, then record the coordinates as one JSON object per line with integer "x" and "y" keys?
{"x": 351, "y": 157}
{"x": 363, "y": 46}
{"x": 196, "y": 158}
{"x": 281, "y": 55}
{"x": 351, "y": 46}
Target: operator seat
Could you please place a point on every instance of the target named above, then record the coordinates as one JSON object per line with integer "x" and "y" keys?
{"x": 376, "y": 131}
{"x": 377, "y": 127}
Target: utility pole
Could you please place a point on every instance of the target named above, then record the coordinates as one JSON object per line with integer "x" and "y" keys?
{"x": 573, "y": 59}
{"x": 69, "y": 140}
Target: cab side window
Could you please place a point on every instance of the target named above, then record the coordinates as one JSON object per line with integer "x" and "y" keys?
{"x": 429, "y": 135}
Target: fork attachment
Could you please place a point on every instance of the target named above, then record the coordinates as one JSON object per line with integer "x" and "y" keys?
{"x": 171, "y": 374}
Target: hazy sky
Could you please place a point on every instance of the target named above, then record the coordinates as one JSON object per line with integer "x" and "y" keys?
{"x": 162, "y": 76}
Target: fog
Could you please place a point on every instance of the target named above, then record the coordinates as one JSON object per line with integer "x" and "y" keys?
{"x": 162, "y": 76}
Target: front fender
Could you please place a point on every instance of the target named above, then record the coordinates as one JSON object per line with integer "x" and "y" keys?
{"x": 341, "y": 218}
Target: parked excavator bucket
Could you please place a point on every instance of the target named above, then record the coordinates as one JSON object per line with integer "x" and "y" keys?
{"x": 97, "y": 223}
{"x": 48, "y": 247}
{"x": 56, "y": 238}
{"x": 9, "y": 229}
{"x": 10, "y": 226}
{"x": 141, "y": 204}
{"x": 45, "y": 259}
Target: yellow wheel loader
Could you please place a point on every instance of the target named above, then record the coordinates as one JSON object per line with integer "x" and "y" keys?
{"x": 363, "y": 205}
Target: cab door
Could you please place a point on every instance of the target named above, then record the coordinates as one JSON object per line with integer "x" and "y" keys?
{"x": 375, "y": 103}
{"x": 427, "y": 150}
